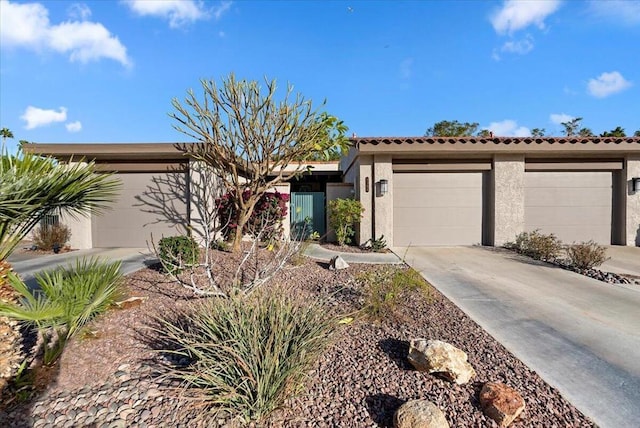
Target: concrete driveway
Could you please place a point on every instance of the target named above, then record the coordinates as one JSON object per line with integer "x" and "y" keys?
{"x": 579, "y": 334}
{"x": 133, "y": 259}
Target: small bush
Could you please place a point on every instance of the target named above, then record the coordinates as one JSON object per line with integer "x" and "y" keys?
{"x": 376, "y": 245}
{"x": 537, "y": 245}
{"x": 385, "y": 288}
{"x": 177, "y": 253}
{"x": 246, "y": 355}
{"x": 50, "y": 236}
{"x": 344, "y": 214}
{"x": 586, "y": 255}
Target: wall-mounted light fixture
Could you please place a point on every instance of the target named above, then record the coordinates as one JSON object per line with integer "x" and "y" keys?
{"x": 384, "y": 186}
{"x": 366, "y": 184}
{"x": 635, "y": 184}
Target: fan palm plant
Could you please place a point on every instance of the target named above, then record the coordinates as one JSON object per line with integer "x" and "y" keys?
{"x": 32, "y": 186}
{"x": 66, "y": 300}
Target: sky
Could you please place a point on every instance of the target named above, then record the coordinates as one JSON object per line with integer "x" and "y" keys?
{"x": 107, "y": 71}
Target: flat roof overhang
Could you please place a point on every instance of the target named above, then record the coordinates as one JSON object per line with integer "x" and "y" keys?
{"x": 108, "y": 152}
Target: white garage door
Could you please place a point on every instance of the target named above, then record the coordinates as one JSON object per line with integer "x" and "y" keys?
{"x": 148, "y": 203}
{"x": 576, "y": 206}
{"x": 437, "y": 208}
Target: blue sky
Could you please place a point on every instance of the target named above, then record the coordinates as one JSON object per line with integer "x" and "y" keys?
{"x": 106, "y": 71}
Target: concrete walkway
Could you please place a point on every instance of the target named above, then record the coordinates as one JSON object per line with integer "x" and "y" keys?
{"x": 622, "y": 260}
{"x": 316, "y": 251}
{"x": 580, "y": 335}
{"x": 133, "y": 259}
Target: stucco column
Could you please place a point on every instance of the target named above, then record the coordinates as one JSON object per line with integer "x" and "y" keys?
{"x": 364, "y": 192}
{"x": 383, "y": 204}
{"x": 633, "y": 202}
{"x": 81, "y": 236}
{"x": 286, "y": 222}
{"x": 508, "y": 196}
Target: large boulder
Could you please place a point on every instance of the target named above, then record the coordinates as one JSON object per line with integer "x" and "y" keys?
{"x": 501, "y": 403}
{"x": 435, "y": 356}
{"x": 419, "y": 414}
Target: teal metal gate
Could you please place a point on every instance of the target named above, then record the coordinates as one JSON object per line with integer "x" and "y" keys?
{"x": 307, "y": 214}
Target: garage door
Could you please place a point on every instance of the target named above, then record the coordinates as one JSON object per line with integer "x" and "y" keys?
{"x": 148, "y": 203}
{"x": 437, "y": 208}
{"x": 576, "y": 206}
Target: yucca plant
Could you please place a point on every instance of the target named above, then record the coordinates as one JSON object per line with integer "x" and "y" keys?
{"x": 66, "y": 299}
{"x": 246, "y": 355}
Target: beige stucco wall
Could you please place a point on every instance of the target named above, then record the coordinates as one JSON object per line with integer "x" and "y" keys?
{"x": 336, "y": 191}
{"x": 286, "y": 222}
{"x": 81, "y": 238}
{"x": 383, "y": 210}
{"x": 508, "y": 197}
{"x": 365, "y": 171}
{"x": 632, "y": 169}
{"x": 204, "y": 188}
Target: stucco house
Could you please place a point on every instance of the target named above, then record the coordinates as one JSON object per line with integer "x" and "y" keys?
{"x": 465, "y": 191}
{"x": 415, "y": 191}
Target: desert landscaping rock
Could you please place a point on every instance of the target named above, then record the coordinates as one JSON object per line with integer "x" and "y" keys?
{"x": 436, "y": 356}
{"x": 359, "y": 381}
{"x": 419, "y": 414}
{"x": 337, "y": 263}
{"x": 501, "y": 403}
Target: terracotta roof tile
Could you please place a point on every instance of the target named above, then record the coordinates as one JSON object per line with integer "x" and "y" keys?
{"x": 494, "y": 140}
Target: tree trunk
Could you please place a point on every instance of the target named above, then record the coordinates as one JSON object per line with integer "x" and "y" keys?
{"x": 243, "y": 218}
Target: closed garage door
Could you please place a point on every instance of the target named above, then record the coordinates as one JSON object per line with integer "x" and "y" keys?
{"x": 575, "y": 206}
{"x": 148, "y": 203}
{"x": 437, "y": 208}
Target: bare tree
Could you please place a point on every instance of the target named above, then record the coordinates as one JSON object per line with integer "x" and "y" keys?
{"x": 251, "y": 139}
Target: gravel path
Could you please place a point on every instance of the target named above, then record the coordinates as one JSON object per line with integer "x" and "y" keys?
{"x": 358, "y": 382}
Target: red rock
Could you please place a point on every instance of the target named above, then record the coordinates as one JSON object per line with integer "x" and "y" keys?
{"x": 501, "y": 403}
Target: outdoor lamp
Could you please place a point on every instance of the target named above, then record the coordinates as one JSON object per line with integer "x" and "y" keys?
{"x": 384, "y": 186}
{"x": 635, "y": 184}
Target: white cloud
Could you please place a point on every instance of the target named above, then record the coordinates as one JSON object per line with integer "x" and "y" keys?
{"x": 560, "y": 118}
{"x": 27, "y": 25}
{"x": 79, "y": 11}
{"x": 508, "y": 128}
{"x": 518, "y": 14}
{"x": 521, "y": 47}
{"x": 37, "y": 117}
{"x": 618, "y": 11}
{"x": 178, "y": 12}
{"x": 607, "y": 84}
{"x": 406, "y": 68}
{"x": 74, "y": 126}
{"x": 222, "y": 9}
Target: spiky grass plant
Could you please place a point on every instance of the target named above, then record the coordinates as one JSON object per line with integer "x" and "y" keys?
{"x": 246, "y": 355}
{"x": 67, "y": 299}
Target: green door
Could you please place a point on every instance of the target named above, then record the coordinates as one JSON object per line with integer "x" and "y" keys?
{"x": 307, "y": 214}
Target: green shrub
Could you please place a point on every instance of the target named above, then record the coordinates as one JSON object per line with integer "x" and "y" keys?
{"x": 376, "y": 245}
{"x": 67, "y": 299}
{"x": 246, "y": 355}
{"x": 537, "y": 245}
{"x": 48, "y": 236}
{"x": 386, "y": 287}
{"x": 344, "y": 214}
{"x": 586, "y": 255}
{"x": 177, "y": 253}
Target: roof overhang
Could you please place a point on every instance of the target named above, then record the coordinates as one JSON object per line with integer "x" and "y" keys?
{"x": 513, "y": 145}
{"x": 110, "y": 152}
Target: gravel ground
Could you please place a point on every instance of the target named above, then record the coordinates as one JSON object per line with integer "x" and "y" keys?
{"x": 358, "y": 382}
